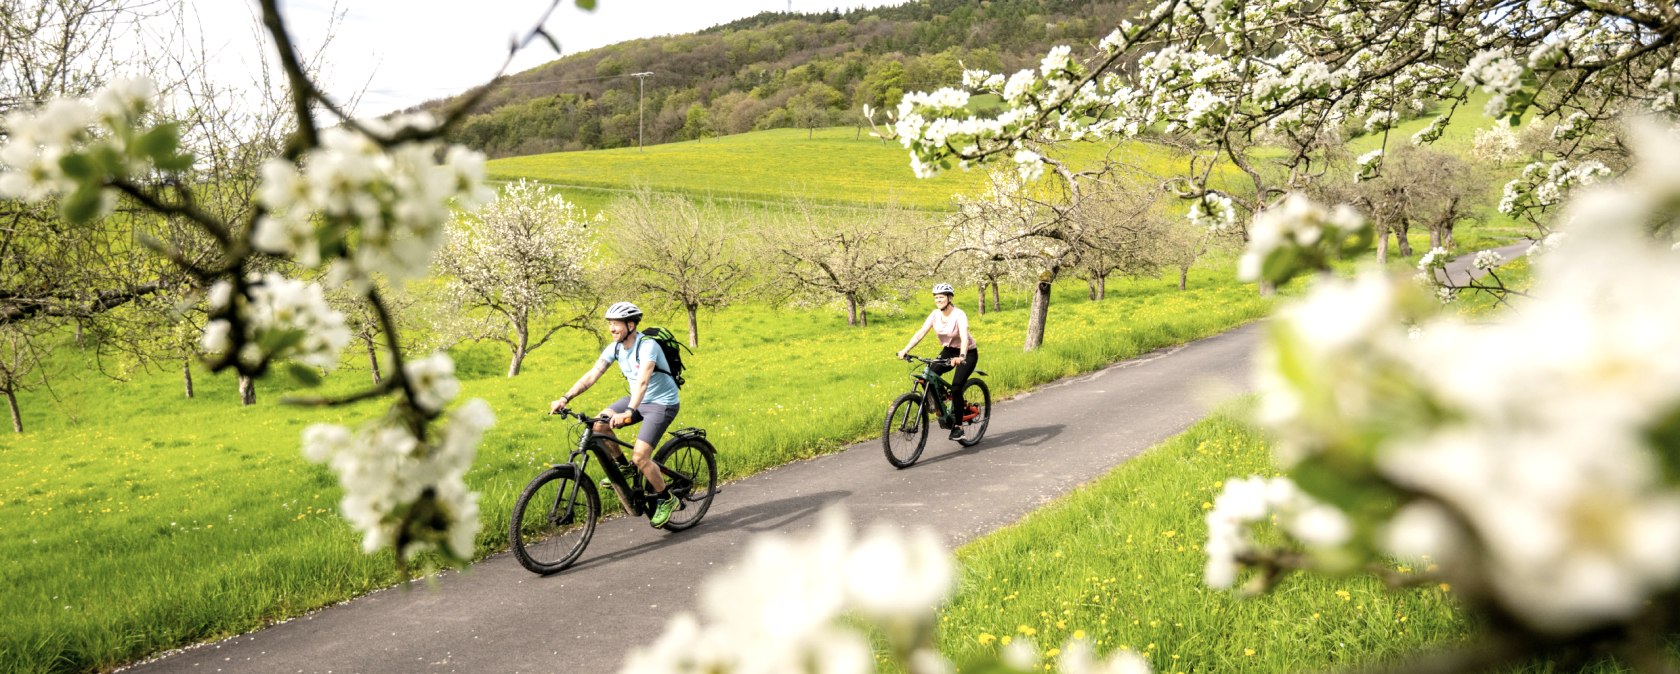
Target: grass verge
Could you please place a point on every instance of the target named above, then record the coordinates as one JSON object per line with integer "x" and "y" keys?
{"x": 1119, "y": 562}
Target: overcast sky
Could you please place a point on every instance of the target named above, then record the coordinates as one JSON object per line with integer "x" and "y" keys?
{"x": 402, "y": 53}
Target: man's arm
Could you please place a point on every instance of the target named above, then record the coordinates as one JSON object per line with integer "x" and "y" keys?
{"x": 583, "y": 383}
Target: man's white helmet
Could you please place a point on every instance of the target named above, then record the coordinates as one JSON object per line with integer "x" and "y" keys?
{"x": 624, "y": 311}
{"x": 943, "y": 289}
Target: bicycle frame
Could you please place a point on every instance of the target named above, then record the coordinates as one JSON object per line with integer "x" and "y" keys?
{"x": 933, "y": 389}
{"x": 631, "y": 485}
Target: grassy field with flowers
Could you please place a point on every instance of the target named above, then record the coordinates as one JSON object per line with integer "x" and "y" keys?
{"x": 138, "y": 520}
{"x": 1120, "y": 561}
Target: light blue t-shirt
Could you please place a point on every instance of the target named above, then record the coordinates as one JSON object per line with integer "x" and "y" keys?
{"x": 661, "y": 389}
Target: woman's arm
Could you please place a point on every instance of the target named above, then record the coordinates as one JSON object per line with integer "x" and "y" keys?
{"x": 962, "y": 339}
{"x": 917, "y": 338}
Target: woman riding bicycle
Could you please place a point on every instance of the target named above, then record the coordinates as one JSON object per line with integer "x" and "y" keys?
{"x": 950, "y": 325}
{"x": 653, "y": 400}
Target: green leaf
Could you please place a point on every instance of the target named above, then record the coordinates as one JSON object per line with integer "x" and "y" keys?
{"x": 83, "y": 205}
{"x": 1664, "y": 436}
{"x": 175, "y": 163}
{"x": 275, "y": 341}
{"x": 303, "y": 374}
{"x": 1345, "y": 486}
{"x": 1281, "y": 265}
{"x": 78, "y": 166}
{"x": 586, "y": 5}
{"x": 160, "y": 143}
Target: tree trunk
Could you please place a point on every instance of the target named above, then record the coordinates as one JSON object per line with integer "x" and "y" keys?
{"x": 995, "y": 305}
{"x": 519, "y": 350}
{"x": 1102, "y": 287}
{"x": 247, "y": 390}
{"x": 1091, "y": 289}
{"x": 1447, "y": 238}
{"x": 78, "y": 339}
{"x": 1040, "y": 312}
{"x": 1434, "y": 237}
{"x": 373, "y": 361}
{"x": 1403, "y": 235}
{"x": 17, "y": 419}
{"x": 693, "y": 326}
{"x": 1183, "y": 276}
{"x": 851, "y": 311}
{"x": 1382, "y": 244}
{"x": 981, "y": 294}
{"x": 186, "y": 375}
{"x": 863, "y": 317}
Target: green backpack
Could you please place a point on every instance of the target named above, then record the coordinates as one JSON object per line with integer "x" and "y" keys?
{"x": 673, "y": 351}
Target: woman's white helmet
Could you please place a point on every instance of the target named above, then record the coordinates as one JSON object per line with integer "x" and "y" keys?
{"x": 943, "y": 289}
{"x": 624, "y": 311}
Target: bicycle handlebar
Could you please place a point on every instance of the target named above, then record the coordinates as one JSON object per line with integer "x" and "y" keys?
{"x": 928, "y": 361}
{"x": 564, "y": 412}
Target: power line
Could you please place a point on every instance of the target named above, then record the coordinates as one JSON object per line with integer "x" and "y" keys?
{"x": 572, "y": 80}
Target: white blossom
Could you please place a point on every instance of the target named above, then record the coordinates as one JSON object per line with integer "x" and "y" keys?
{"x": 1494, "y": 71}
{"x": 385, "y": 470}
{"x": 1246, "y": 501}
{"x": 778, "y": 609}
{"x": 1527, "y": 440}
{"x": 433, "y": 379}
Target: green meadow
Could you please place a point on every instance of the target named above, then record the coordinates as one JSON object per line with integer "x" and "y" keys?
{"x": 138, "y": 520}
{"x": 1119, "y": 563}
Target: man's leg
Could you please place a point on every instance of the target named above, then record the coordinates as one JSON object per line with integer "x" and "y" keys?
{"x": 650, "y": 470}
{"x": 607, "y": 429}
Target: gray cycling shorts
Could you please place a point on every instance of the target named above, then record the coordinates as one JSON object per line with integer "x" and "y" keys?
{"x": 655, "y": 419}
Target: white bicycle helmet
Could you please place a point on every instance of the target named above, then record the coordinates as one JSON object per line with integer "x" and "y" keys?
{"x": 943, "y": 289}
{"x": 624, "y": 311}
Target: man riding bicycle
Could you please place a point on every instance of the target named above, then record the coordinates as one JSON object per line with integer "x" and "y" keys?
{"x": 653, "y": 399}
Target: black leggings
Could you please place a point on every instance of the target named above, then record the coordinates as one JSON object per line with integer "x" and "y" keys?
{"x": 959, "y": 379}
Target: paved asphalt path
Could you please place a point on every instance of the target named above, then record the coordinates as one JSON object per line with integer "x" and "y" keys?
{"x": 1460, "y": 271}
{"x": 498, "y": 617}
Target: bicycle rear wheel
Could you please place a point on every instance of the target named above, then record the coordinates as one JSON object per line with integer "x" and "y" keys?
{"x": 554, "y": 519}
{"x": 905, "y": 431}
{"x": 977, "y": 394}
{"x": 690, "y": 467}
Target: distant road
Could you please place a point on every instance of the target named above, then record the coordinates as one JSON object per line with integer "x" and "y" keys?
{"x": 498, "y": 617}
{"x": 1461, "y": 270}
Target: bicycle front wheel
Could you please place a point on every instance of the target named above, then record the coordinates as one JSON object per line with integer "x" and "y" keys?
{"x": 690, "y": 468}
{"x": 905, "y": 431}
{"x": 554, "y": 519}
{"x": 980, "y": 397}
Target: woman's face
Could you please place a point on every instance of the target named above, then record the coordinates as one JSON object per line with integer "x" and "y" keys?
{"x": 941, "y": 301}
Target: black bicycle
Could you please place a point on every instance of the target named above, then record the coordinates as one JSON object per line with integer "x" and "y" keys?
{"x": 555, "y": 516}
{"x": 906, "y": 429}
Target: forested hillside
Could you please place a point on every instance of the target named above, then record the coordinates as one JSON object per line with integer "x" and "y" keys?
{"x": 773, "y": 70}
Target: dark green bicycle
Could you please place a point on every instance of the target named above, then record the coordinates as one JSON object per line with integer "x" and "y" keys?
{"x": 555, "y": 517}
{"x": 906, "y": 429}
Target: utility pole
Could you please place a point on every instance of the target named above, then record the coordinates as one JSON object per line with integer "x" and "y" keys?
{"x": 641, "y": 88}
